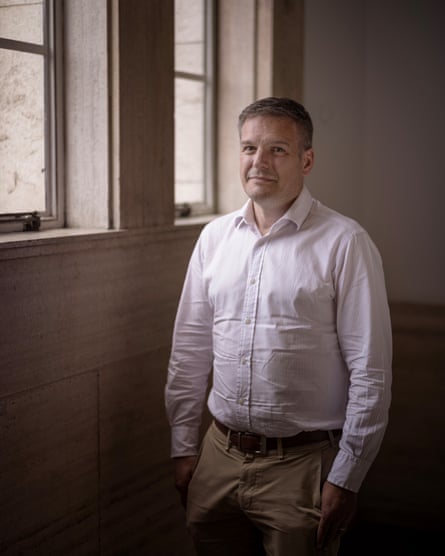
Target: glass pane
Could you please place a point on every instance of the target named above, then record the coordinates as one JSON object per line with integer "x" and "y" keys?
{"x": 189, "y": 139}
{"x": 22, "y": 158}
{"x": 189, "y": 36}
{"x": 21, "y": 20}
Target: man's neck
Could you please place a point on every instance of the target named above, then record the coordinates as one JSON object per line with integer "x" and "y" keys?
{"x": 266, "y": 216}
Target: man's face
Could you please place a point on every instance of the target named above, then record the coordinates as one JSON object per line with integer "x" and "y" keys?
{"x": 273, "y": 162}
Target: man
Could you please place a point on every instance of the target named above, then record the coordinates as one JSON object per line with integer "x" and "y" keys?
{"x": 285, "y": 301}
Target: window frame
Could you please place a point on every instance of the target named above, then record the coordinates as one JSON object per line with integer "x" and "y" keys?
{"x": 52, "y": 51}
{"x": 208, "y": 206}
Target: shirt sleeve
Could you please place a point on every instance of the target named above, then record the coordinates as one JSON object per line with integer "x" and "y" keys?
{"x": 365, "y": 336}
{"x": 190, "y": 360}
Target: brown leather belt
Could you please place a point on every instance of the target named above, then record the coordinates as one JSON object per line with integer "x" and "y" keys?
{"x": 251, "y": 443}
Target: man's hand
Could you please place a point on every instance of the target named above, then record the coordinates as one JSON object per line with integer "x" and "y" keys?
{"x": 184, "y": 468}
{"x": 338, "y": 507}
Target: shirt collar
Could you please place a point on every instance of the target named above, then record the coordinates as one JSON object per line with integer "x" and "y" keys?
{"x": 297, "y": 212}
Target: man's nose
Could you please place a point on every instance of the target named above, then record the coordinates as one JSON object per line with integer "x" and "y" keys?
{"x": 261, "y": 159}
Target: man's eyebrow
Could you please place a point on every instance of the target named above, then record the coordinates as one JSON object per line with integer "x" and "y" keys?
{"x": 279, "y": 142}
{"x": 269, "y": 141}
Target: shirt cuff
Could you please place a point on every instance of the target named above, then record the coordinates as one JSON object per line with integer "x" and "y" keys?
{"x": 348, "y": 471}
{"x": 184, "y": 441}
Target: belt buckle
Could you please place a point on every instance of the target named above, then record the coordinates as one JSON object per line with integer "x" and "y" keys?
{"x": 261, "y": 451}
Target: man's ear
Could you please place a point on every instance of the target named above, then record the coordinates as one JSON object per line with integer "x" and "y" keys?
{"x": 308, "y": 161}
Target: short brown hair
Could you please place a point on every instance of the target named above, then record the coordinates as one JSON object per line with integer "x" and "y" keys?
{"x": 281, "y": 107}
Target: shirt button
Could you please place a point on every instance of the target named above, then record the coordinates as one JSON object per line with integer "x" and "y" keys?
{"x": 247, "y": 321}
{"x": 253, "y": 281}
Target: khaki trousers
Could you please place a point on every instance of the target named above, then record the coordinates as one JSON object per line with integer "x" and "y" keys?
{"x": 244, "y": 505}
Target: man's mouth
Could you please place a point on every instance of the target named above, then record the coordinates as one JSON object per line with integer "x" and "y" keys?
{"x": 260, "y": 177}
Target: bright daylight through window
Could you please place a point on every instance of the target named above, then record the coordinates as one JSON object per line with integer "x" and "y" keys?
{"x": 193, "y": 106}
{"x": 27, "y": 136}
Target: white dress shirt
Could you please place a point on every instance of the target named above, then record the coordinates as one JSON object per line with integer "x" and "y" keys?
{"x": 296, "y": 327}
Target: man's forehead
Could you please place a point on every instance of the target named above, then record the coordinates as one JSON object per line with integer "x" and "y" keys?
{"x": 270, "y": 129}
{"x": 270, "y": 121}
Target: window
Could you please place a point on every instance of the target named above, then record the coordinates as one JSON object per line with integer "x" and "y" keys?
{"x": 28, "y": 114}
{"x": 194, "y": 89}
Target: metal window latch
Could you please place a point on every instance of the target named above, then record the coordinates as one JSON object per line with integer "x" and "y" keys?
{"x": 32, "y": 222}
{"x": 182, "y": 210}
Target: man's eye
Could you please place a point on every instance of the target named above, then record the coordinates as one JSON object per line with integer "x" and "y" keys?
{"x": 248, "y": 149}
{"x": 278, "y": 149}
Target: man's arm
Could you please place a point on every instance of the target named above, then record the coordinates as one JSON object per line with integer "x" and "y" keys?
{"x": 365, "y": 337}
{"x": 190, "y": 361}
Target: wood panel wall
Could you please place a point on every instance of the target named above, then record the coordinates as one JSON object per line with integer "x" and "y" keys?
{"x": 405, "y": 485}
{"x": 84, "y": 441}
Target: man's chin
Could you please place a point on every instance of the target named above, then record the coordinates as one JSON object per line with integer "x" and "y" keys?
{"x": 259, "y": 196}
{"x": 260, "y": 189}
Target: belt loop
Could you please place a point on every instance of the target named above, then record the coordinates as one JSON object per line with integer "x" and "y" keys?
{"x": 280, "y": 448}
{"x": 332, "y": 439}
{"x": 229, "y": 432}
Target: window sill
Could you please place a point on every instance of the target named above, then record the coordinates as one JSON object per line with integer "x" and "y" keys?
{"x": 15, "y": 245}
{"x": 14, "y": 239}
{"x": 46, "y": 242}
{"x": 195, "y": 220}
{"x": 18, "y": 239}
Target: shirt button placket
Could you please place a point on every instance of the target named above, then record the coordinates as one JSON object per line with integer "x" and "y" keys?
{"x": 249, "y": 312}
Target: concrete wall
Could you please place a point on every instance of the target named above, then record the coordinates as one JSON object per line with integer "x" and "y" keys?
{"x": 375, "y": 84}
